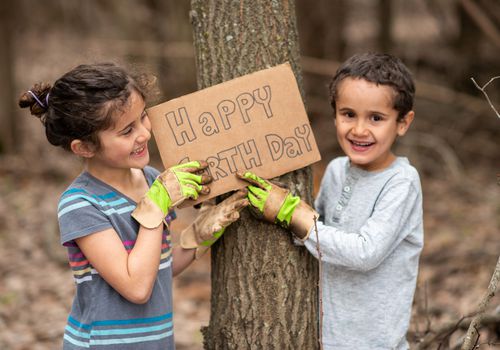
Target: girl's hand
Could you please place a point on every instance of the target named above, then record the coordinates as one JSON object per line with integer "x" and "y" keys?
{"x": 212, "y": 222}
{"x": 170, "y": 189}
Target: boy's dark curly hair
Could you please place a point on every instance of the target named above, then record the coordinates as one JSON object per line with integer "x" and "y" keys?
{"x": 381, "y": 69}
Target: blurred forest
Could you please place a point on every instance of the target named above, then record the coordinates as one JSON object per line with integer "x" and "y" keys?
{"x": 453, "y": 142}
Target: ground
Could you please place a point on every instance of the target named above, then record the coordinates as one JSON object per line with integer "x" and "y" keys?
{"x": 36, "y": 289}
{"x": 461, "y": 217}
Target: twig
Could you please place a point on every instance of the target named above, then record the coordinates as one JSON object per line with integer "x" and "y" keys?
{"x": 430, "y": 337}
{"x": 426, "y": 300}
{"x": 482, "y": 89}
{"x": 320, "y": 292}
{"x": 442, "y": 333}
{"x": 472, "y": 333}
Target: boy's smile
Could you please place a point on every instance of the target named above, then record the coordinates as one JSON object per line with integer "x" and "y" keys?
{"x": 366, "y": 123}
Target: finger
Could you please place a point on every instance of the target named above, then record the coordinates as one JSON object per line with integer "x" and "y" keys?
{"x": 192, "y": 184}
{"x": 232, "y": 216}
{"x": 248, "y": 177}
{"x": 254, "y": 201}
{"x": 242, "y": 193}
{"x": 234, "y": 207}
{"x": 205, "y": 190}
{"x": 191, "y": 167}
{"x": 257, "y": 192}
{"x": 228, "y": 219}
{"x": 206, "y": 179}
{"x": 252, "y": 179}
{"x": 215, "y": 228}
{"x": 191, "y": 193}
{"x": 200, "y": 179}
{"x": 203, "y": 167}
{"x": 185, "y": 176}
{"x": 240, "y": 204}
{"x": 186, "y": 166}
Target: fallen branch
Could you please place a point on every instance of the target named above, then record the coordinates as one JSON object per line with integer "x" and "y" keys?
{"x": 447, "y": 329}
{"x": 442, "y": 332}
{"x": 473, "y": 334}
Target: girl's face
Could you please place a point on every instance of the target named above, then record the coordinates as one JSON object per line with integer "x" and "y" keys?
{"x": 125, "y": 144}
{"x": 366, "y": 123}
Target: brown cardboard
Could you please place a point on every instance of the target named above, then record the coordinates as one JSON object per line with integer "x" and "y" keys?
{"x": 256, "y": 122}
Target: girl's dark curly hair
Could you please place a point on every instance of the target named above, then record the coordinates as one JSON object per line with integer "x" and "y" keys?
{"x": 81, "y": 102}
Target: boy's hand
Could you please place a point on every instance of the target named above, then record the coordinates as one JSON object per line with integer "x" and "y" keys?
{"x": 171, "y": 188}
{"x": 212, "y": 221}
{"x": 279, "y": 206}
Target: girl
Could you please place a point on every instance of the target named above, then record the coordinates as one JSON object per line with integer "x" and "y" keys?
{"x": 112, "y": 216}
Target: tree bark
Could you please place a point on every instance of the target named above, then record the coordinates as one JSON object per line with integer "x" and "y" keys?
{"x": 10, "y": 132}
{"x": 264, "y": 289}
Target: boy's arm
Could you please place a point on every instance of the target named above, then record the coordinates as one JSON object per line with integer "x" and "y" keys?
{"x": 278, "y": 205}
{"x": 378, "y": 236}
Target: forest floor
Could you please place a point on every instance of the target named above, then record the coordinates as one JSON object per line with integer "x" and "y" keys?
{"x": 461, "y": 219}
{"x": 36, "y": 286}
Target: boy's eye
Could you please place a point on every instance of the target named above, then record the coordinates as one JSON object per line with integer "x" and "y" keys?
{"x": 377, "y": 118}
{"x": 349, "y": 114}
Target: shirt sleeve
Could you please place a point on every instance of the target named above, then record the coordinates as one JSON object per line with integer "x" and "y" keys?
{"x": 79, "y": 215}
{"x": 378, "y": 236}
{"x": 320, "y": 202}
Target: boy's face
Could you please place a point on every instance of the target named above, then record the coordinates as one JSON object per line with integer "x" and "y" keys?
{"x": 366, "y": 123}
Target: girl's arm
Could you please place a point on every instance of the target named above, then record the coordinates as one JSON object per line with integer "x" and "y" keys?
{"x": 130, "y": 274}
{"x": 206, "y": 229}
{"x": 181, "y": 258}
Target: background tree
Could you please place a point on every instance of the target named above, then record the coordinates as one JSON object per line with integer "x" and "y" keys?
{"x": 9, "y": 132}
{"x": 264, "y": 289}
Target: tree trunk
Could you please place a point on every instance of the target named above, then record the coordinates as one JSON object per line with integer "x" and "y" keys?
{"x": 264, "y": 289}
{"x": 385, "y": 19}
{"x": 10, "y": 134}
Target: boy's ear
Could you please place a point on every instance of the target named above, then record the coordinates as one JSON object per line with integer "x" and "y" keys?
{"x": 404, "y": 124}
{"x": 82, "y": 149}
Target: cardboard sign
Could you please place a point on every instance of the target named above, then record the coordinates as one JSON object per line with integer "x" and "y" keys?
{"x": 256, "y": 123}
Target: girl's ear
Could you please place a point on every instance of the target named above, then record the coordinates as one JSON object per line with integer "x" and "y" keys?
{"x": 82, "y": 149}
{"x": 405, "y": 123}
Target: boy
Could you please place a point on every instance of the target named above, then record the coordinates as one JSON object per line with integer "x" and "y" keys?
{"x": 370, "y": 209}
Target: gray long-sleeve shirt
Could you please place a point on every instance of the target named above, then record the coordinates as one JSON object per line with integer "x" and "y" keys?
{"x": 370, "y": 236}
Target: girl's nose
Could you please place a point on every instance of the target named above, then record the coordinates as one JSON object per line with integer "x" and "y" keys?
{"x": 145, "y": 132}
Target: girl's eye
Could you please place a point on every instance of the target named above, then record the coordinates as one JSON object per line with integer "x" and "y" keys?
{"x": 127, "y": 131}
{"x": 349, "y": 114}
{"x": 376, "y": 118}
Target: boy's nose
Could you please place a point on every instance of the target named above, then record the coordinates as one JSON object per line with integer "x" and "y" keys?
{"x": 359, "y": 128}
